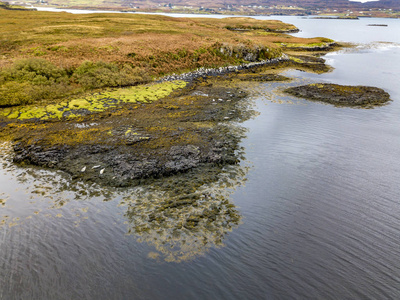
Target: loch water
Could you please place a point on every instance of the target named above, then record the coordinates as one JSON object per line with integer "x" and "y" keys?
{"x": 317, "y": 193}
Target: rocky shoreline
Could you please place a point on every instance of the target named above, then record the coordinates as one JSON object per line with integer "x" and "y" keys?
{"x": 313, "y": 63}
{"x": 194, "y": 128}
{"x": 296, "y": 30}
{"x": 341, "y": 95}
{"x": 185, "y": 131}
{"x": 205, "y": 72}
{"x": 322, "y": 47}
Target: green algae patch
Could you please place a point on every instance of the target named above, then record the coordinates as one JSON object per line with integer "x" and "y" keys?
{"x": 325, "y": 44}
{"x": 296, "y": 59}
{"x": 311, "y": 45}
{"x": 95, "y": 102}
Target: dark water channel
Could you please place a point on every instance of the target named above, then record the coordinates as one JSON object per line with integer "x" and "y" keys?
{"x": 317, "y": 193}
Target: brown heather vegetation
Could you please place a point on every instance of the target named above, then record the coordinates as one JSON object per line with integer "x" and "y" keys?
{"x": 45, "y": 55}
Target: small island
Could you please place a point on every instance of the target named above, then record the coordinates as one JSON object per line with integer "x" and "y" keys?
{"x": 337, "y": 18}
{"x": 381, "y": 25}
{"x": 341, "y": 95}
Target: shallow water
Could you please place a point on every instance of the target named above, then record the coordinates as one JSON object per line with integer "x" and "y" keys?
{"x": 317, "y": 195}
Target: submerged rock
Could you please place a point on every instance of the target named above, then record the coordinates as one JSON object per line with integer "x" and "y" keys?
{"x": 341, "y": 95}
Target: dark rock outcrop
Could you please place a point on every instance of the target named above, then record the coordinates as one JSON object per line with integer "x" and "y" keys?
{"x": 341, "y": 95}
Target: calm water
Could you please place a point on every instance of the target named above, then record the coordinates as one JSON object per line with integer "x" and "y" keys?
{"x": 317, "y": 193}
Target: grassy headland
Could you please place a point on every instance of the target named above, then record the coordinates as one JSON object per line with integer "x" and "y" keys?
{"x": 78, "y": 91}
{"x": 50, "y": 56}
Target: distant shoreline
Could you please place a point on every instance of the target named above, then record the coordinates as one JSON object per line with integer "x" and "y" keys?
{"x": 84, "y": 10}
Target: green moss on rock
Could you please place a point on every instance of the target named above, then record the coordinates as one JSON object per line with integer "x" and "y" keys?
{"x": 95, "y": 102}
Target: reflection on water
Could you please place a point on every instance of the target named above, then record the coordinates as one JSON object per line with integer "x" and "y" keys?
{"x": 29, "y": 192}
{"x": 181, "y": 216}
{"x": 183, "y": 226}
{"x": 320, "y": 209}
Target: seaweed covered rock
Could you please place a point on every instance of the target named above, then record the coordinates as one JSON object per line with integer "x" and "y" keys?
{"x": 139, "y": 141}
{"x": 341, "y": 95}
{"x": 261, "y": 77}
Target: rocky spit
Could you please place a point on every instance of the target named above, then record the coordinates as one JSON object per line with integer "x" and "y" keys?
{"x": 324, "y": 47}
{"x": 204, "y": 72}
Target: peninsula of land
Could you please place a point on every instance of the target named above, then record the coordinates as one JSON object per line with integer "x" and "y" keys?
{"x": 119, "y": 99}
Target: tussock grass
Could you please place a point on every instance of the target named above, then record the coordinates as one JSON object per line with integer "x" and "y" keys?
{"x": 247, "y": 23}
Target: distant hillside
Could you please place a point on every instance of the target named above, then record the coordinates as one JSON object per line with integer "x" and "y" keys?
{"x": 287, "y": 7}
{"x": 306, "y": 4}
{"x": 7, "y": 6}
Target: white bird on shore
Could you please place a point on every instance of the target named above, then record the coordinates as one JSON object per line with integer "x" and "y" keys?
{"x": 83, "y": 169}
{"x": 102, "y": 171}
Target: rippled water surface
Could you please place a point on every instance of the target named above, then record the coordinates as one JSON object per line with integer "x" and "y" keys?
{"x": 312, "y": 212}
